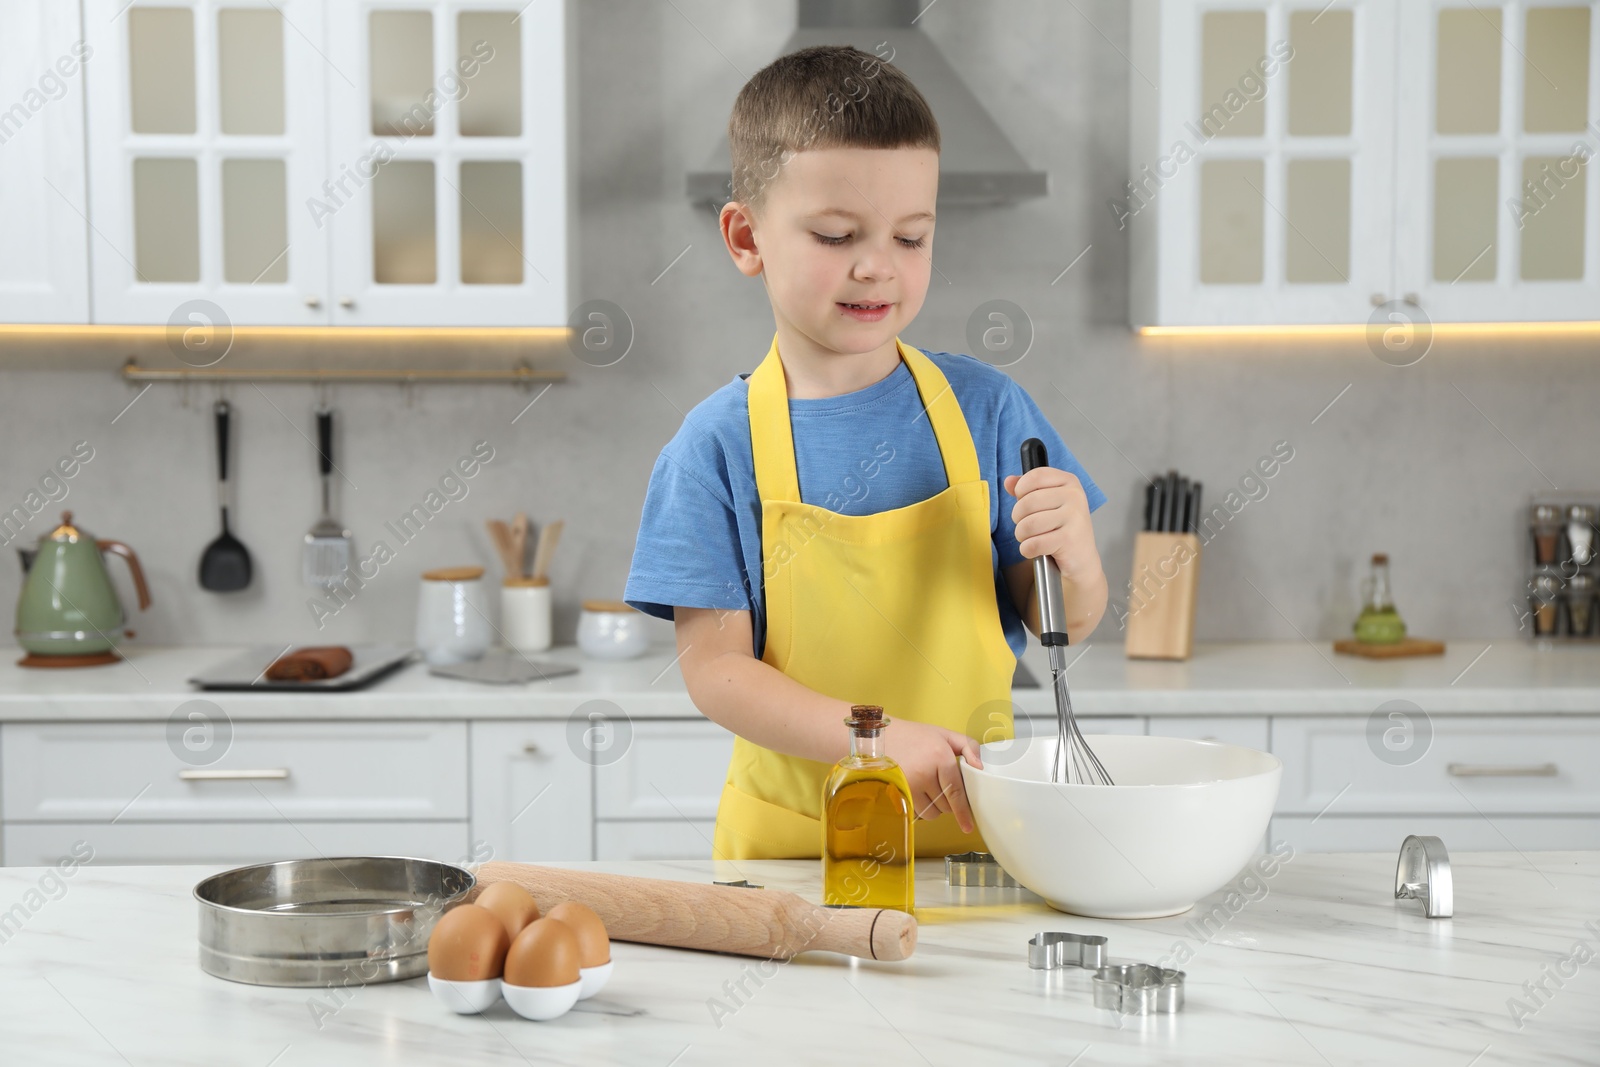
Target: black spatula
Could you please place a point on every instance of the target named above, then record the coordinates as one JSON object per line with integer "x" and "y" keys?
{"x": 225, "y": 564}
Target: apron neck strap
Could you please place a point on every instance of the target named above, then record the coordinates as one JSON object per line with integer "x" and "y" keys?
{"x": 772, "y": 436}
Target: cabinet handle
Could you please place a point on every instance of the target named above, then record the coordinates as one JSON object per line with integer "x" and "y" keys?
{"x": 347, "y": 301}
{"x": 1411, "y": 298}
{"x": 233, "y": 776}
{"x": 313, "y": 302}
{"x": 1378, "y": 300}
{"x": 1501, "y": 770}
{"x": 531, "y": 748}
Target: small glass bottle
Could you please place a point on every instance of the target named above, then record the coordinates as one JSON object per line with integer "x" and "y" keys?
{"x": 867, "y": 846}
{"x": 1379, "y": 623}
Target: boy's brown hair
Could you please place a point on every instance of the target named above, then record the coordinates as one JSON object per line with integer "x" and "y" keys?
{"x": 828, "y": 96}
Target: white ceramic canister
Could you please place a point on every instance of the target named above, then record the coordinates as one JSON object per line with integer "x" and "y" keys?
{"x": 611, "y": 629}
{"x": 453, "y": 616}
{"x": 525, "y": 614}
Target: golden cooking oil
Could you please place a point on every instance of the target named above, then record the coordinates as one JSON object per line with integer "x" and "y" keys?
{"x": 867, "y": 817}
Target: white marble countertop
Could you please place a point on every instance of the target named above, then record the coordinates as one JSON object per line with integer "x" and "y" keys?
{"x": 1317, "y": 964}
{"x": 1276, "y": 678}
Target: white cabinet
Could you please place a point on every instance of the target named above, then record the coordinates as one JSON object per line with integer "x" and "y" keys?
{"x": 654, "y": 840}
{"x": 206, "y": 127}
{"x": 671, "y": 771}
{"x": 1302, "y": 162}
{"x": 657, "y": 798}
{"x": 1248, "y": 730}
{"x": 125, "y": 843}
{"x": 317, "y": 162}
{"x": 213, "y": 792}
{"x": 1495, "y": 196}
{"x": 1465, "y": 765}
{"x": 532, "y": 794}
{"x": 276, "y": 772}
{"x": 1460, "y": 833}
{"x": 463, "y": 103}
{"x": 44, "y": 266}
{"x": 1262, "y": 167}
{"x": 1478, "y": 782}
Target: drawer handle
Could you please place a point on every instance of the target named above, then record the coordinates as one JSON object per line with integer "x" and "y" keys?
{"x": 276, "y": 773}
{"x": 531, "y": 748}
{"x": 1501, "y": 770}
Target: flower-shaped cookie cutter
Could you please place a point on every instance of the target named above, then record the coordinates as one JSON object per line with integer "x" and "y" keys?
{"x": 1138, "y": 988}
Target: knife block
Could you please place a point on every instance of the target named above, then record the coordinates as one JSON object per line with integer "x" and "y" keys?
{"x": 1161, "y": 596}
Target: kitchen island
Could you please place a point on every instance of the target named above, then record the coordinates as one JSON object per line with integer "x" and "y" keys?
{"x": 1308, "y": 961}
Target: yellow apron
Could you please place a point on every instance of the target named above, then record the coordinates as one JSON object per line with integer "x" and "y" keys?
{"x": 896, "y": 609}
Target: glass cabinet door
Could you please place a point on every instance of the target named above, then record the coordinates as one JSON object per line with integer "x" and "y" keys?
{"x": 1268, "y": 182}
{"x": 205, "y": 146}
{"x": 452, "y": 131}
{"x": 1496, "y": 219}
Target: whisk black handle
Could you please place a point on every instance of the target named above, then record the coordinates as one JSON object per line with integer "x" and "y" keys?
{"x": 1046, "y": 576}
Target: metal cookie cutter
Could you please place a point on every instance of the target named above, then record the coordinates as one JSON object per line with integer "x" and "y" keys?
{"x": 1423, "y": 873}
{"x": 977, "y": 869}
{"x": 740, "y": 883}
{"x": 1049, "y": 949}
{"x": 1138, "y": 988}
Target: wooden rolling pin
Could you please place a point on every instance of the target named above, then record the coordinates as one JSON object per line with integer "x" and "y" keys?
{"x": 769, "y": 923}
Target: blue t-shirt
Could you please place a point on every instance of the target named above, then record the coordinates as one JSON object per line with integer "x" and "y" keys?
{"x": 857, "y": 453}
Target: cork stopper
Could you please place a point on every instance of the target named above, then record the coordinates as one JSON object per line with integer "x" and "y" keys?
{"x": 868, "y": 717}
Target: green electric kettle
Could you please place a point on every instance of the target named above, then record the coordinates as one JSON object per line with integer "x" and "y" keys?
{"x": 69, "y": 614}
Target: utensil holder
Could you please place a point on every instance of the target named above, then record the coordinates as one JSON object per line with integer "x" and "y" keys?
{"x": 1161, "y": 596}
{"x": 525, "y": 614}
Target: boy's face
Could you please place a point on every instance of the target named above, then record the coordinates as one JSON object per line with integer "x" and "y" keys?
{"x": 844, "y": 226}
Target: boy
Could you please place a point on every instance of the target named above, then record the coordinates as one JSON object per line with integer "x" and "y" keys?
{"x": 829, "y": 530}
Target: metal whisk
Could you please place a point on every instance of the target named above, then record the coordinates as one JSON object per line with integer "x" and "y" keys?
{"x": 1074, "y": 761}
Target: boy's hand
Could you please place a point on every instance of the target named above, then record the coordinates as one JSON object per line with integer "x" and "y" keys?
{"x": 1052, "y": 518}
{"x": 927, "y": 754}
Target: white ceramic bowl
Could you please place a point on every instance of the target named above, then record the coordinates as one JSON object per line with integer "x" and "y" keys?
{"x": 1182, "y": 820}
{"x": 612, "y": 635}
{"x": 541, "y": 1003}
{"x": 465, "y": 998}
{"x": 594, "y": 979}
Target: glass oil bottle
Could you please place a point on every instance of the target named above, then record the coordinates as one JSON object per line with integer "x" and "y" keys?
{"x": 1379, "y": 623}
{"x": 867, "y": 849}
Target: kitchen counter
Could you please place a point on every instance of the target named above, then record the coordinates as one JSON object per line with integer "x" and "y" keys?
{"x": 1314, "y": 964}
{"x": 1288, "y": 678}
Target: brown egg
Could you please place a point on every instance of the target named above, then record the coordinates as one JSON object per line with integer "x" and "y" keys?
{"x": 468, "y": 944}
{"x": 544, "y": 954}
{"x": 594, "y": 946}
{"x": 514, "y": 904}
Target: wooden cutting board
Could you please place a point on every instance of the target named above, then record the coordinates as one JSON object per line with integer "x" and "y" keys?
{"x": 1410, "y": 646}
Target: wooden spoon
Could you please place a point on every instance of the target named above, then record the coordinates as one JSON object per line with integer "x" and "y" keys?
{"x": 519, "y": 542}
{"x": 500, "y": 534}
{"x": 548, "y": 537}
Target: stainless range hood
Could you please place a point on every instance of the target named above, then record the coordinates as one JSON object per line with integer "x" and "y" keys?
{"x": 977, "y": 162}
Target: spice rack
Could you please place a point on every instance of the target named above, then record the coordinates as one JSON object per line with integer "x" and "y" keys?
{"x": 1563, "y": 553}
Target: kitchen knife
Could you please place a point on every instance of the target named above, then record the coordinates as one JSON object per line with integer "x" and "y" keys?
{"x": 1149, "y": 505}
{"x": 1159, "y": 486}
{"x": 769, "y": 923}
{"x": 1171, "y": 524}
{"x": 1194, "y": 512}
{"x": 1183, "y": 506}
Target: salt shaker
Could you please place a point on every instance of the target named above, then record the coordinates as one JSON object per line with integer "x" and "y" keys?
{"x": 1580, "y": 533}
